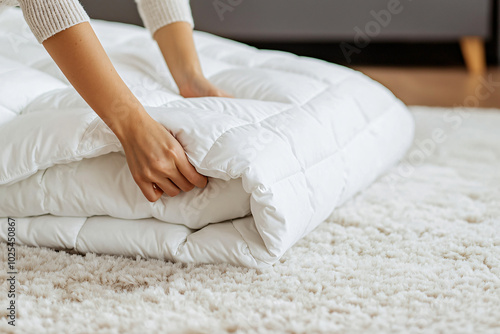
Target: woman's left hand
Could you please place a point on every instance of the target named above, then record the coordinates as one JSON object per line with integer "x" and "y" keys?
{"x": 200, "y": 87}
{"x": 177, "y": 46}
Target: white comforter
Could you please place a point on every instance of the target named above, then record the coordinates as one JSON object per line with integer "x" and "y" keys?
{"x": 301, "y": 137}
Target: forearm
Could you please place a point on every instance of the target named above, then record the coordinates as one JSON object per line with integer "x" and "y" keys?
{"x": 177, "y": 46}
{"x": 81, "y": 57}
{"x": 157, "y": 161}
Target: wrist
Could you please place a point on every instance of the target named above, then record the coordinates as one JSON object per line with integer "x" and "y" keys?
{"x": 185, "y": 76}
{"x": 126, "y": 121}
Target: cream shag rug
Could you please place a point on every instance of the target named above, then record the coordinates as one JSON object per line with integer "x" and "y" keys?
{"x": 417, "y": 252}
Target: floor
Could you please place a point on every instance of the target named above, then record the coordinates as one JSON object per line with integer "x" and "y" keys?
{"x": 442, "y": 87}
{"x": 416, "y": 252}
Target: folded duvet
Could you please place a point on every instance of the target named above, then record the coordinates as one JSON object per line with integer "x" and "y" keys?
{"x": 300, "y": 138}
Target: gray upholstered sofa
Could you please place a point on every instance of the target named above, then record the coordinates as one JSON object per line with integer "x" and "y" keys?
{"x": 353, "y": 22}
{"x": 356, "y": 22}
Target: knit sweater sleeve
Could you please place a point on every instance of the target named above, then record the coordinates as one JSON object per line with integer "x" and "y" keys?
{"x": 48, "y": 17}
{"x": 158, "y": 13}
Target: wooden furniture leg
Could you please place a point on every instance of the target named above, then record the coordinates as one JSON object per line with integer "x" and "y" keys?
{"x": 473, "y": 52}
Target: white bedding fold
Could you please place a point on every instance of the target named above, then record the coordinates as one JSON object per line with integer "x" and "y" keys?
{"x": 301, "y": 137}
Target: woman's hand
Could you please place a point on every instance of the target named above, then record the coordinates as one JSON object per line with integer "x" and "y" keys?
{"x": 199, "y": 86}
{"x": 154, "y": 156}
{"x": 177, "y": 46}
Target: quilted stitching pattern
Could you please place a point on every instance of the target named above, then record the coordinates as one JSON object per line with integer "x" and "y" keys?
{"x": 301, "y": 137}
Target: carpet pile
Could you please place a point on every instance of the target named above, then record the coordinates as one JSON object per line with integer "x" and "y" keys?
{"x": 416, "y": 252}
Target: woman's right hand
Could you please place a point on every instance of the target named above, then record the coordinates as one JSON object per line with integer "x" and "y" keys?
{"x": 154, "y": 156}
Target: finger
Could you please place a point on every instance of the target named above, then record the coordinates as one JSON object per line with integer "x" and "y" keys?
{"x": 167, "y": 186}
{"x": 148, "y": 191}
{"x": 181, "y": 182}
{"x": 157, "y": 189}
{"x": 224, "y": 94}
{"x": 220, "y": 93}
{"x": 190, "y": 172}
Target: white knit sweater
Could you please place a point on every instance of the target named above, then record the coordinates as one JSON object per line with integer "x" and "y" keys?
{"x": 48, "y": 17}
